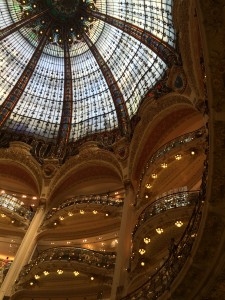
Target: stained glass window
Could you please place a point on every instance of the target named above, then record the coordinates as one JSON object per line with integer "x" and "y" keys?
{"x": 135, "y": 67}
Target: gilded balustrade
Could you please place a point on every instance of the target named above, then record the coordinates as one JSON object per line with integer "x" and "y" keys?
{"x": 103, "y": 200}
{"x": 93, "y": 258}
{"x": 13, "y": 205}
{"x": 162, "y": 151}
{"x": 163, "y": 204}
{"x": 162, "y": 279}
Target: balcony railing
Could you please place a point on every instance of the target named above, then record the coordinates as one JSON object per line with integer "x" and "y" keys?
{"x": 103, "y": 200}
{"x": 165, "y": 275}
{"x": 97, "y": 259}
{"x": 5, "y": 265}
{"x": 166, "y": 203}
{"x": 177, "y": 142}
{"x": 12, "y": 204}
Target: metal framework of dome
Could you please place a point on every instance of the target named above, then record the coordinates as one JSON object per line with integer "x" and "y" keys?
{"x": 73, "y": 69}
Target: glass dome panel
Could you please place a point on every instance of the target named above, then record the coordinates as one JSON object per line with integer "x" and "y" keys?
{"x": 134, "y": 67}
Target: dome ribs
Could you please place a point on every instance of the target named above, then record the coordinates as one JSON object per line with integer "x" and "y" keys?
{"x": 162, "y": 49}
{"x": 18, "y": 25}
{"x": 117, "y": 96}
{"x": 67, "y": 110}
{"x": 14, "y": 96}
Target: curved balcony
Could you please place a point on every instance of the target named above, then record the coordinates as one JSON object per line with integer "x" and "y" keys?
{"x": 162, "y": 279}
{"x": 5, "y": 265}
{"x": 69, "y": 257}
{"x": 168, "y": 202}
{"x": 168, "y": 147}
{"x": 102, "y": 200}
{"x": 12, "y": 206}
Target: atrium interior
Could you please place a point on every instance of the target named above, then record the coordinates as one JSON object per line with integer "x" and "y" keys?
{"x": 112, "y": 150}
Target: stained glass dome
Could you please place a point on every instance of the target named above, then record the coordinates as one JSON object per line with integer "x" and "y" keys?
{"x": 69, "y": 69}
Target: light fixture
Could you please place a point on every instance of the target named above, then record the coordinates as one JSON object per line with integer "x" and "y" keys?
{"x": 164, "y": 165}
{"x": 76, "y": 273}
{"x": 55, "y": 223}
{"x": 192, "y": 152}
{"x": 36, "y": 277}
{"x": 70, "y": 214}
{"x": 2, "y": 192}
{"x": 142, "y": 251}
{"x": 142, "y": 263}
{"x": 106, "y": 214}
{"x": 84, "y": 241}
{"x": 95, "y": 212}
{"x": 82, "y": 212}
{"x": 68, "y": 243}
{"x": 178, "y": 156}
{"x": 60, "y": 272}
{"x": 146, "y": 196}
{"x": 34, "y": 198}
{"x": 92, "y": 278}
{"x": 179, "y": 223}
{"x": 159, "y": 230}
{"x": 46, "y": 273}
{"x": 3, "y": 215}
{"x": 154, "y": 175}
{"x": 24, "y": 196}
{"x": 31, "y": 283}
{"x": 147, "y": 240}
{"x": 148, "y": 186}
{"x": 61, "y": 218}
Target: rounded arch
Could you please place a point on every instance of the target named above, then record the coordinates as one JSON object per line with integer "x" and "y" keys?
{"x": 172, "y": 116}
{"x": 19, "y": 171}
{"x": 92, "y": 171}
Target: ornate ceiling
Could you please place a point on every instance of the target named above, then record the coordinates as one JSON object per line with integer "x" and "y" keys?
{"x": 70, "y": 69}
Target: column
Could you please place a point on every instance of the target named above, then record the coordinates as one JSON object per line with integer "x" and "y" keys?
{"x": 120, "y": 277}
{"x": 23, "y": 254}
